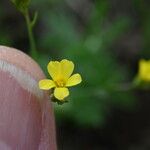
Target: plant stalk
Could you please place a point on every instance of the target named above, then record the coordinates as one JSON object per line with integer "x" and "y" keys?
{"x": 33, "y": 49}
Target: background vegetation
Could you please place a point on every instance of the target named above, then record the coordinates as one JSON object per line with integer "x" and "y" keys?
{"x": 105, "y": 39}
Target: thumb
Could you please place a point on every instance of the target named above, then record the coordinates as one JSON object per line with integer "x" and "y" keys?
{"x": 26, "y": 115}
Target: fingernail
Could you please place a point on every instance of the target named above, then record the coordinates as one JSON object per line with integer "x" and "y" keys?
{"x": 26, "y": 115}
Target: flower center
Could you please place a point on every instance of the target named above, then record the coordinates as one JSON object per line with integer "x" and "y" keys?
{"x": 60, "y": 83}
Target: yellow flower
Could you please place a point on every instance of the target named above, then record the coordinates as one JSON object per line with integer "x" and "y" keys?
{"x": 61, "y": 78}
{"x": 144, "y": 70}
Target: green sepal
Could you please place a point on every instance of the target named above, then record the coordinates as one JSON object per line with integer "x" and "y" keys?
{"x": 53, "y": 99}
{"x": 139, "y": 83}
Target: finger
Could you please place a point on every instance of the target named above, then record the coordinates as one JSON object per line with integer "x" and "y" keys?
{"x": 26, "y": 115}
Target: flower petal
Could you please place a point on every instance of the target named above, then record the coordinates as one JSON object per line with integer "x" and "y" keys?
{"x": 144, "y": 69}
{"x": 54, "y": 69}
{"x": 74, "y": 80}
{"x": 67, "y": 68}
{"x": 61, "y": 93}
{"x": 46, "y": 84}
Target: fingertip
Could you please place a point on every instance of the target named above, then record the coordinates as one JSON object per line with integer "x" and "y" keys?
{"x": 26, "y": 114}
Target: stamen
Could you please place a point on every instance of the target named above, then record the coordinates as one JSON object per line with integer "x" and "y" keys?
{"x": 60, "y": 83}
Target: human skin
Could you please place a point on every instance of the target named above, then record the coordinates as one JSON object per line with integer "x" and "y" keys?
{"x": 26, "y": 114}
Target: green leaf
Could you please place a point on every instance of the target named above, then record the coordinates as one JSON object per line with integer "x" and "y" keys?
{"x": 21, "y": 5}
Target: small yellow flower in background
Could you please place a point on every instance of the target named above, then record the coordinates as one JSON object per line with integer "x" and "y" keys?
{"x": 60, "y": 73}
{"x": 144, "y": 70}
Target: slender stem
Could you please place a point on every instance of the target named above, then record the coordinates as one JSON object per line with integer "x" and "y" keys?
{"x": 33, "y": 49}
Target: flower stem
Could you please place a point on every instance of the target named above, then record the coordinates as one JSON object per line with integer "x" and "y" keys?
{"x": 33, "y": 49}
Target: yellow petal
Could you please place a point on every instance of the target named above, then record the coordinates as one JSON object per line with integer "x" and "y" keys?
{"x": 74, "y": 80}
{"x": 67, "y": 68}
{"x": 144, "y": 70}
{"x": 46, "y": 84}
{"x": 61, "y": 93}
{"x": 54, "y": 69}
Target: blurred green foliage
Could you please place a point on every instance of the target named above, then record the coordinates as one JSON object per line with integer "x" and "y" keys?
{"x": 144, "y": 13}
{"x": 87, "y": 40}
{"x": 89, "y": 49}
